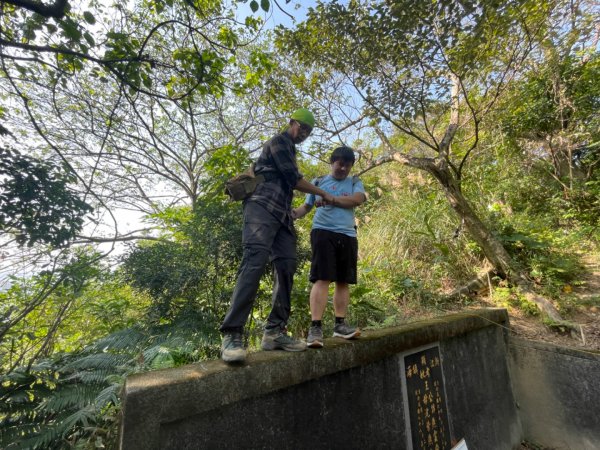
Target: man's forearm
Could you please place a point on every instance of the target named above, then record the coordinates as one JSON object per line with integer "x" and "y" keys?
{"x": 308, "y": 188}
{"x": 351, "y": 201}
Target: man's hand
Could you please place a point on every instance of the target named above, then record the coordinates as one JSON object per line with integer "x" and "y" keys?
{"x": 328, "y": 199}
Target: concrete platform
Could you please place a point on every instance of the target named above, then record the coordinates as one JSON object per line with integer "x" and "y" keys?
{"x": 350, "y": 394}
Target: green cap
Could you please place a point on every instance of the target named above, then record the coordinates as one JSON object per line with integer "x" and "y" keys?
{"x": 304, "y": 116}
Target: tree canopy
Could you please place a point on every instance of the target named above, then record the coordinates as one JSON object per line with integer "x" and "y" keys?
{"x": 476, "y": 129}
{"x": 36, "y": 202}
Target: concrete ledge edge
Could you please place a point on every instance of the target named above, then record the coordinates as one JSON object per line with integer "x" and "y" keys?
{"x": 196, "y": 388}
{"x": 547, "y": 346}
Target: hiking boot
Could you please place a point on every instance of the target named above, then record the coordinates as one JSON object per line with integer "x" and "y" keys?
{"x": 315, "y": 337}
{"x": 232, "y": 348}
{"x": 345, "y": 331}
{"x": 279, "y": 340}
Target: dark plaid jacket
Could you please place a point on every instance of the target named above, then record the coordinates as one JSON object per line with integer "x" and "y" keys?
{"x": 277, "y": 163}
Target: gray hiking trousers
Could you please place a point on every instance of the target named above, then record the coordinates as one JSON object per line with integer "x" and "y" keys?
{"x": 263, "y": 236}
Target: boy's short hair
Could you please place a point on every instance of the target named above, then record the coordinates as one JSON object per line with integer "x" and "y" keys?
{"x": 344, "y": 153}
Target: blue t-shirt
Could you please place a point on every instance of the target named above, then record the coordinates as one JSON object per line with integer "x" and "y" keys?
{"x": 333, "y": 218}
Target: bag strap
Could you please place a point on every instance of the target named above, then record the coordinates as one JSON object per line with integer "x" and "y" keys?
{"x": 318, "y": 180}
{"x": 258, "y": 178}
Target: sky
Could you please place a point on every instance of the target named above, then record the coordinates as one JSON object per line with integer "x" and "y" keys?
{"x": 295, "y": 8}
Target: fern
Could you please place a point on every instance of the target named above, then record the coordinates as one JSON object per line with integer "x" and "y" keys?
{"x": 57, "y": 430}
{"x": 83, "y": 417}
{"x": 70, "y": 396}
{"x": 11, "y": 433}
{"x": 73, "y": 399}
{"x": 91, "y": 376}
{"x": 98, "y": 361}
{"x": 108, "y": 396}
{"x": 126, "y": 339}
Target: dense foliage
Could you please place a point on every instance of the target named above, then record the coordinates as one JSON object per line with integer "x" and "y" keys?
{"x": 36, "y": 202}
{"x": 477, "y": 131}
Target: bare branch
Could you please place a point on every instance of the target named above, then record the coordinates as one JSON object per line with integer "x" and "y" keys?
{"x": 345, "y": 127}
{"x": 122, "y": 238}
{"x": 427, "y": 164}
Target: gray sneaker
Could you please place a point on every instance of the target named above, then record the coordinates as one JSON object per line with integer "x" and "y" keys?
{"x": 279, "y": 340}
{"x": 315, "y": 337}
{"x": 232, "y": 348}
{"x": 345, "y": 331}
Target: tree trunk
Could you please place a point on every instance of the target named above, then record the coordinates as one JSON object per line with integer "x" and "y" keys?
{"x": 492, "y": 248}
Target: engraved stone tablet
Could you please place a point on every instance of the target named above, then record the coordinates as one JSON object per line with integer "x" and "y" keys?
{"x": 427, "y": 400}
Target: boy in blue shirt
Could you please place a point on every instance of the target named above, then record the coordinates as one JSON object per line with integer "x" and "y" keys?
{"x": 334, "y": 245}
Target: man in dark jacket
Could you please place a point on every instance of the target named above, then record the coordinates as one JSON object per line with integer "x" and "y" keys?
{"x": 269, "y": 232}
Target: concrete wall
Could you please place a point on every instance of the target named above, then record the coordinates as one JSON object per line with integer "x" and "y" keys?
{"x": 348, "y": 395}
{"x": 558, "y": 394}
{"x": 480, "y": 397}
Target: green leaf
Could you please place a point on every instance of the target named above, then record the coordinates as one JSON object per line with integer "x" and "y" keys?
{"x": 252, "y": 22}
{"x": 90, "y": 40}
{"x": 163, "y": 360}
{"x": 146, "y": 80}
{"x": 29, "y": 34}
{"x": 89, "y": 18}
{"x": 70, "y": 30}
{"x": 254, "y": 5}
{"x": 158, "y": 7}
{"x": 265, "y": 5}
{"x": 442, "y": 248}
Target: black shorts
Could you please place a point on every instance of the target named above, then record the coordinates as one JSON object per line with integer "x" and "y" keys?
{"x": 334, "y": 256}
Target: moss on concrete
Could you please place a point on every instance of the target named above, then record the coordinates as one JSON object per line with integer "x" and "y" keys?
{"x": 172, "y": 394}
